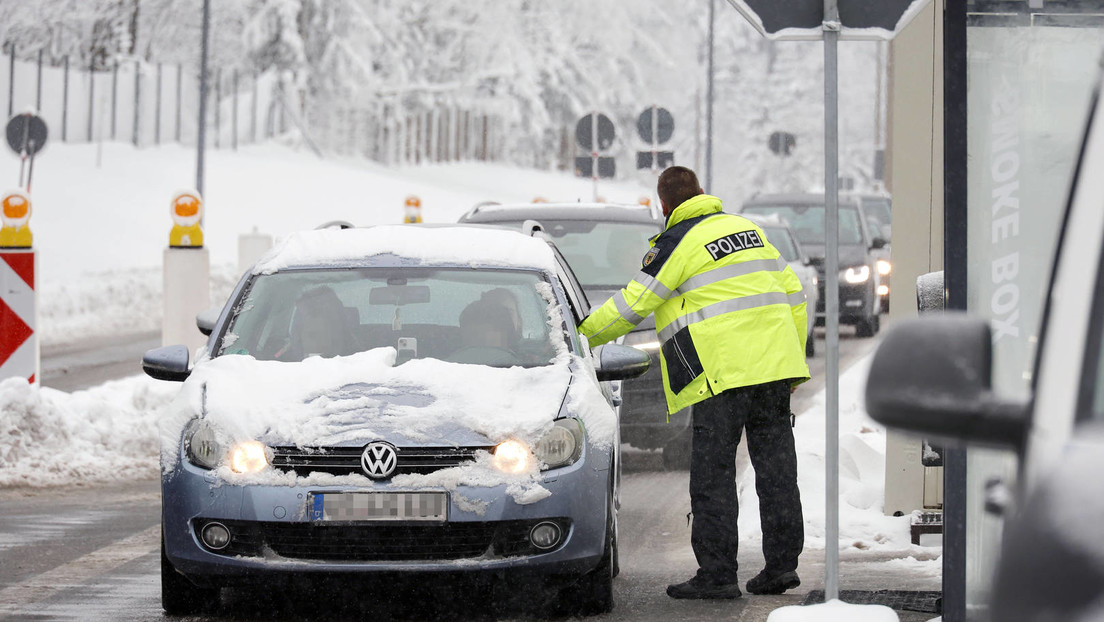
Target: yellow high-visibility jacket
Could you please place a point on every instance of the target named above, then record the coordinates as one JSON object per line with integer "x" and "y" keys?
{"x": 728, "y": 309}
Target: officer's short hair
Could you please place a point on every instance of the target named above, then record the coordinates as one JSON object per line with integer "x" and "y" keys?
{"x": 676, "y": 185}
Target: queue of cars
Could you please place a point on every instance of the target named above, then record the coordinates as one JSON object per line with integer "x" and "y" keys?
{"x": 405, "y": 400}
{"x": 864, "y": 265}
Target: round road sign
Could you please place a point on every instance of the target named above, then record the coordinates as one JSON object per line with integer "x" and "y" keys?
{"x": 26, "y": 133}
{"x": 664, "y": 123}
{"x": 584, "y": 132}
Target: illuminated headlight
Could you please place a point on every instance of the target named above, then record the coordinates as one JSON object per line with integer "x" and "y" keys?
{"x": 883, "y": 290}
{"x": 643, "y": 340}
{"x": 513, "y": 457}
{"x": 884, "y": 267}
{"x": 858, "y": 274}
{"x": 203, "y": 447}
{"x": 561, "y": 445}
{"x": 249, "y": 457}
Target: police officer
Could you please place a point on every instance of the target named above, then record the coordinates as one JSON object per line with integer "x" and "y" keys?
{"x": 731, "y": 316}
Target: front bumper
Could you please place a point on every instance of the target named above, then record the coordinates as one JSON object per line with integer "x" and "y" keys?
{"x": 857, "y": 302}
{"x": 272, "y": 535}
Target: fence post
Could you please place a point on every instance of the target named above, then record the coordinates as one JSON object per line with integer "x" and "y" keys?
{"x": 137, "y": 97}
{"x": 179, "y": 96}
{"x": 65, "y": 102}
{"x": 234, "y": 114}
{"x": 218, "y": 108}
{"x": 38, "y": 85}
{"x": 157, "y": 110}
{"x": 114, "y": 94}
{"x": 11, "y": 80}
{"x": 91, "y": 95}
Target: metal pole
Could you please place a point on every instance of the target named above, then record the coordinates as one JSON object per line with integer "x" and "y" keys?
{"x": 955, "y": 259}
{"x": 234, "y": 115}
{"x": 65, "y": 102}
{"x": 137, "y": 99}
{"x": 202, "y": 132}
{"x": 253, "y": 111}
{"x": 179, "y": 96}
{"x": 11, "y": 81}
{"x": 91, "y": 96}
{"x": 594, "y": 151}
{"x": 157, "y": 110}
{"x": 831, "y": 306}
{"x": 38, "y": 85}
{"x": 114, "y": 95}
{"x": 218, "y": 108}
{"x": 709, "y": 105}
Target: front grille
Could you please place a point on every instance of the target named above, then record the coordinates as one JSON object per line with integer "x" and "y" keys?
{"x": 382, "y": 542}
{"x": 346, "y": 460}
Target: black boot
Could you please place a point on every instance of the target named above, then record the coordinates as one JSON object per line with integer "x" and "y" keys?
{"x": 767, "y": 583}
{"x": 699, "y": 588}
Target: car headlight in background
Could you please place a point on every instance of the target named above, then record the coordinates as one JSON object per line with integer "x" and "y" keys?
{"x": 857, "y": 274}
{"x": 884, "y": 267}
{"x": 512, "y": 457}
{"x": 561, "y": 445}
{"x": 645, "y": 340}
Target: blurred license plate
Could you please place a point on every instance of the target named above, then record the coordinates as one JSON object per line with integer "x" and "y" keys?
{"x": 379, "y": 506}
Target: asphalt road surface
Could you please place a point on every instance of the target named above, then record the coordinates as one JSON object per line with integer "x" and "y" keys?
{"x": 91, "y": 553}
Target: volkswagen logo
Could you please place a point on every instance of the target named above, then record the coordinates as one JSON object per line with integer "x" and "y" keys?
{"x": 379, "y": 460}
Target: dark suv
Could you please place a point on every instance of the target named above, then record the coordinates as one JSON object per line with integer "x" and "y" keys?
{"x": 859, "y": 278}
{"x": 604, "y": 243}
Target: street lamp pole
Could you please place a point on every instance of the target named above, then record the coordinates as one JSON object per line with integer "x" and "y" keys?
{"x": 709, "y": 106}
{"x": 202, "y": 132}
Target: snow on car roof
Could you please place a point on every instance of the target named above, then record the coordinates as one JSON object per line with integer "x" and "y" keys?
{"x": 425, "y": 244}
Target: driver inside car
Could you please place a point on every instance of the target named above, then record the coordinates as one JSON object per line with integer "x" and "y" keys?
{"x": 317, "y": 328}
{"x": 487, "y": 329}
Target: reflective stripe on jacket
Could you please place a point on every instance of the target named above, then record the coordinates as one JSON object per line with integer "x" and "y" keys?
{"x": 728, "y": 309}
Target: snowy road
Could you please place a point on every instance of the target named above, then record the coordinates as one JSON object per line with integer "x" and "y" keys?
{"x": 92, "y": 554}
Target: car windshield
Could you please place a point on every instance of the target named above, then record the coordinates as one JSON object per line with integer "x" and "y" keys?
{"x": 488, "y": 317}
{"x": 879, "y": 210}
{"x": 807, "y": 221}
{"x": 602, "y": 254}
{"x": 781, "y": 239}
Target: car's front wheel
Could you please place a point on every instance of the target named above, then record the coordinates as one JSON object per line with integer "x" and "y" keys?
{"x": 593, "y": 594}
{"x": 178, "y": 595}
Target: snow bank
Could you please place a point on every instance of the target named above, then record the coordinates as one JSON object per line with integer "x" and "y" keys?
{"x": 50, "y": 437}
{"x": 864, "y": 530}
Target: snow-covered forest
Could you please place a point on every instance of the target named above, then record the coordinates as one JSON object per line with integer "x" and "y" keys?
{"x": 534, "y": 67}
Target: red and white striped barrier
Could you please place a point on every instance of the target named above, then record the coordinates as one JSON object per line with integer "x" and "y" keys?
{"x": 19, "y": 354}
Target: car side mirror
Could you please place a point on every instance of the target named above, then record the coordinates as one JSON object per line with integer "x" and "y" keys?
{"x": 167, "y": 363}
{"x": 206, "y": 320}
{"x": 878, "y": 242}
{"x": 932, "y": 376}
{"x": 614, "y": 361}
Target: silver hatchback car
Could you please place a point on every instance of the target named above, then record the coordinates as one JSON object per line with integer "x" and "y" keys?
{"x": 405, "y": 399}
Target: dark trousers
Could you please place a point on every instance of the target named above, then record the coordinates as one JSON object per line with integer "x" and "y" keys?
{"x": 764, "y": 411}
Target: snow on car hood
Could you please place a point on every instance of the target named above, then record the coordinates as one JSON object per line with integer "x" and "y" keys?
{"x": 356, "y": 399}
